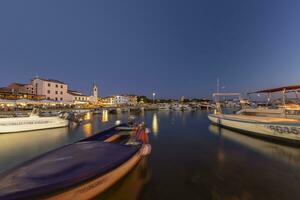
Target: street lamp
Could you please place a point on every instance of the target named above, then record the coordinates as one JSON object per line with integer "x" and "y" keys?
{"x": 153, "y": 97}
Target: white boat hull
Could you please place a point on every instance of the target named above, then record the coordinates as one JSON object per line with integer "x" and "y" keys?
{"x": 277, "y": 130}
{"x": 93, "y": 188}
{"x": 20, "y": 124}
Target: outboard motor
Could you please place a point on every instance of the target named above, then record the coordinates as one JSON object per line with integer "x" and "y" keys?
{"x": 71, "y": 116}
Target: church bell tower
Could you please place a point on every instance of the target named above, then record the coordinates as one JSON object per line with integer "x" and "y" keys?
{"x": 95, "y": 90}
{"x": 94, "y": 96}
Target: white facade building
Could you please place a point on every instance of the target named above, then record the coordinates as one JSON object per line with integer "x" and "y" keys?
{"x": 118, "y": 100}
{"x": 121, "y": 100}
{"x": 77, "y": 97}
{"x": 51, "y": 89}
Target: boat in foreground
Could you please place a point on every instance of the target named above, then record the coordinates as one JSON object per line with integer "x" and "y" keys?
{"x": 281, "y": 123}
{"x": 80, "y": 170}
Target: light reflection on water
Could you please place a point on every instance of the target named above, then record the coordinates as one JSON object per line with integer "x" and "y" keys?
{"x": 87, "y": 129}
{"x": 131, "y": 186}
{"x": 18, "y": 147}
{"x": 155, "y": 124}
{"x": 289, "y": 155}
{"x": 104, "y": 116}
{"x": 190, "y": 159}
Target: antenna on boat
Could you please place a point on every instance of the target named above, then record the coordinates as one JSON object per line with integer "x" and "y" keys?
{"x": 218, "y": 85}
{"x": 218, "y": 88}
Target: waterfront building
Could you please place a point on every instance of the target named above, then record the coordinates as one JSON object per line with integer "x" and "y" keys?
{"x": 77, "y": 97}
{"x": 52, "y": 89}
{"x": 132, "y": 100}
{"x": 80, "y": 98}
{"x": 121, "y": 100}
{"x": 47, "y": 89}
{"x": 14, "y": 94}
{"x": 107, "y": 101}
{"x": 21, "y": 88}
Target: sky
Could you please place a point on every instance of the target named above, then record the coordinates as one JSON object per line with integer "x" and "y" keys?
{"x": 171, "y": 47}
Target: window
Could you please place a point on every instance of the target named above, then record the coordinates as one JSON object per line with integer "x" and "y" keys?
{"x": 56, "y": 99}
{"x": 61, "y": 99}
{"x": 61, "y": 86}
{"x": 56, "y": 92}
{"x": 48, "y": 98}
{"x": 49, "y": 84}
{"x": 48, "y": 91}
{"x": 56, "y": 86}
{"x": 61, "y": 92}
{"x": 75, "y": 98}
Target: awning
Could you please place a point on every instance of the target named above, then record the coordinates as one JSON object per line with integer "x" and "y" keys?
{"x": 279, "y": 89}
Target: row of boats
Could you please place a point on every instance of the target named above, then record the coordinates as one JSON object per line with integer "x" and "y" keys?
{"x": 279, "y": 122}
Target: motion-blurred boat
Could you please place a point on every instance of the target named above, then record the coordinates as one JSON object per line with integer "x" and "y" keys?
{"x": 80, "y": 170}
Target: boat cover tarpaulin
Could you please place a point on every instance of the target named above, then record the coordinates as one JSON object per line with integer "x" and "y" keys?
{"x": 103, "y": 135}
{"x": 63, "y": 168}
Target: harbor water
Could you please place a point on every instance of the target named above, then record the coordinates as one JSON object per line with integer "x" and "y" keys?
{"x": 190, "y": 159}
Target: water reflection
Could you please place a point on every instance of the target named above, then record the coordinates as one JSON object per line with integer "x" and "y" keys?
{"x": 104, "y": 116}
{"x": 131, "y": 186}
{"x": 87, "y": 129}
{"x": 279, "y": 152}
{"x": 88, "y": 116}
{"x": 15, "y": 148}
{"x": 155, "y": 124}
{"x": 187, "y": 160}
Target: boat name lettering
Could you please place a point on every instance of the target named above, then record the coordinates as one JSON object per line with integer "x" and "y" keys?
{"x": 284, "y": 129}
{"x": 24, "y": 123}
{"x": 92, "y": 186}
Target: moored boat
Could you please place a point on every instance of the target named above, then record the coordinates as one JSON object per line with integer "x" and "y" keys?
{"x": 32, "y": 122}
{"x": 80, "y": 170}
{"x": 281, "y": 123}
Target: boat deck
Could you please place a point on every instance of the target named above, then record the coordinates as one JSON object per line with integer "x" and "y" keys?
{"x": 261, "y": 119}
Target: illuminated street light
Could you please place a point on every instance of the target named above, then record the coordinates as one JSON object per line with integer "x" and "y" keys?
{"x": 153, "y": 97}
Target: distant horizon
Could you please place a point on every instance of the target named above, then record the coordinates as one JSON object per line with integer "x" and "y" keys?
{"x": 141, "y": 47}
{"x": 147, "y": 95}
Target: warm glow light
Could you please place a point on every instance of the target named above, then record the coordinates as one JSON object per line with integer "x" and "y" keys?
{"x": 104, "y": 116}
{"x": 87, "y": 129}
{"x": 87, "y": 116}
{"x": 155, "y": 124}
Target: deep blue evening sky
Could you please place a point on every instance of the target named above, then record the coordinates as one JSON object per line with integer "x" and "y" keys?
{"x": 175, "y": 47}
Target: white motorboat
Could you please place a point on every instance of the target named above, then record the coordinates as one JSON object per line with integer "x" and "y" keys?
{"x": 31, "y": 122}
{"x": 186, "y": 108}
{"x": 164, "y": 107}
{"x": 176, "y": 107}
{"x": 279, "y": 123}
